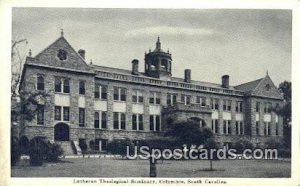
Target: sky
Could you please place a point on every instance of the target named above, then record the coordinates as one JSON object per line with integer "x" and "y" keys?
{"x": 244, "y": 44}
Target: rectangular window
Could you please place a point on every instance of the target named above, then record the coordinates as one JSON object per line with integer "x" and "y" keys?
{"x": 96, "y": 120}
{"x": 40, "y": 83}
{"x": 97, "y": 92}
{"x": 81, "y": 117}
{"x": 215, "y": 126}
{"x": 151, "y": 121}
{"x": 154, "y": 121}
{"x": 120, "y": 94}
{"x": 226, "y": 127}
{"x": 267, "y": 129}
{"x": 100, "y": 145}
{"x": 119, "y": 120}
{"x": 214, "y": 103}
{"x": 57, "y": 113}
{"x": 58, "y": 84}
{"x": 154, "y": 98}
{"x": 257, "y": 108}
{"x": 66, "y": 113}
{"x": 257, "y": 128}
{"x": 137, "y": 122}
{"x": 227, "y": 105}
{"x": 239, "y": 106}
{"x": 66, "y": 86}
{"x": 186, "y": 99}
{"x": 171, "y": 98}
{"x": 81, "y": 87}
{"x": 239, "y": 128}
{"x": 277, "y": 128}
{"x": 137, "y": 96}
{"x": 103, "y": 120}
{"x": 267, "y": 108}
{"x": 40, "y": 114}
{"x": 201, "y": 100}
{"x": 100, "y": 92}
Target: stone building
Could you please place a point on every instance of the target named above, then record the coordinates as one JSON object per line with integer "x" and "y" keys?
{"x": 100, "y": 103}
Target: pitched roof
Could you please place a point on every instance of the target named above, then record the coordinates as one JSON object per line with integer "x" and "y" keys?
{"x": 249, "y": 86}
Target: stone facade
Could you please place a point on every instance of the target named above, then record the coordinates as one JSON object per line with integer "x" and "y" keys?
{"x": 74, "y": 68}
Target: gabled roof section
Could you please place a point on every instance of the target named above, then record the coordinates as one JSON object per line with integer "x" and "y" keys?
{"x": 49, "y": 57}
{"x": 263, "y": 87}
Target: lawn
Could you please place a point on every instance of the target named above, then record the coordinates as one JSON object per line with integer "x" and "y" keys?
{"x": 103, "y": 167}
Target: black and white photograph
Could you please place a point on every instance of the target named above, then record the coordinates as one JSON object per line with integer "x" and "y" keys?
{"x": 173, "y": 96}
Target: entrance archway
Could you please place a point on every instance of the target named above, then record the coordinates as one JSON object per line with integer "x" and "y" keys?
{"x": 61, "y": 132}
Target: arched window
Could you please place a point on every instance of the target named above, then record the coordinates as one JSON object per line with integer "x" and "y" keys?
{"x": 40, "y": 83}
{"x": 96, "y": 120}
{"x": 103, "y": 120}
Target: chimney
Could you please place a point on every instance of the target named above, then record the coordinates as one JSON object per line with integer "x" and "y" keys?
{"x": 225, "y": 81}
{"x": 135, "y": 67}
{"x": 81, "y": 52}
{"x": 187, "y": 75}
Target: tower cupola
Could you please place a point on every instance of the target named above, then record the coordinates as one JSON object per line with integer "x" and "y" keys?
{"x": 158, "y": 63}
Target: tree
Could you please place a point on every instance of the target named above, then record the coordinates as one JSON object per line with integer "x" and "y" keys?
{"x": 209, "y": 144}
{"x": 188, "y": 133}
{"x": 286, "y": 111}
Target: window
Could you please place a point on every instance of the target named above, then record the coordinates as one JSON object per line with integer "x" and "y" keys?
{"x": 119, "y": 94}
{"x": 201, "y": 100}
{"x": 137, "y": 122}
{"x": 66, "y": 113}
{"x": 104, "y": 120}
{"x": 214, "y": 103}
{"x": 226, "y": 127}
{"x": 100, "y": 92}
{"x": 100, "y": 116}
{"x": 81, "y": 87}
{"x": 277, "y": 128}
{"x": 58, "y": 84}
{"x": 267, "y": 108}
{"x": 40, "y": 83}
{"x": 171, "y": 99}
{"x": 62, "y": 111}
{"x": 154, "y": 98}
{"x": 239, "y": 106}
{"x": 62, "y": 82}
{"x": 40, "y": 114}
{"x": 62, "y": 54}
{"x": 119, "y": 120}
{"x": 66, "y": 86}
{"x": 186, "y": 99}
{"x": 154, "y": 121}
{"x": 227, "y": 105}
{"x": 215, "y": 126}
{"x": 257, "y": 128}
{"x": 96, "y": 120}
{"x": 57, "y": 113}
{"x": 81, "y": 117}
{"x": 137, "y": 96}
{"x": 257, "y": 108}
{"x": 239, "y": 128}
{"x": 101, "y": 144}
{"x": 267, "y": 129}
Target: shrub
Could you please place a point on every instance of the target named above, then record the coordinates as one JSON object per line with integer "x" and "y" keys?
{"x": 274, "y": 143}
{"x": 241, "y": 145}
{"x": 120, "y": 146}
{"x": 53, "y": 152}
{"x": 83, "y": 145}
{"x": 284, "y": 153}
{"x": 37, "y": 151}
{"x": 24, "y": 145}
{"x": 15, "y": 154}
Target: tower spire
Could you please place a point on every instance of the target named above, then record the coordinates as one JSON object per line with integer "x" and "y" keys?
{"x": 158, "y": 44}
{"x": 62, "y": 32}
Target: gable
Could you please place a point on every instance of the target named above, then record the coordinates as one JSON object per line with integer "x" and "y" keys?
{"x": 61, "y": 54}
{"x": 266, "y": 88}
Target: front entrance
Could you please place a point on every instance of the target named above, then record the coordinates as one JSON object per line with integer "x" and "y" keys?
{"x": 61, "y": 132}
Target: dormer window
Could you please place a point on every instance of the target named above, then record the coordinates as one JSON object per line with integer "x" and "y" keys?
{"x": 62, "y": 55}
{"x": 268, "y": 87}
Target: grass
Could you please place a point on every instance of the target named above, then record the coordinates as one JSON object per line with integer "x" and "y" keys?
{"x": 102, "y": 167}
